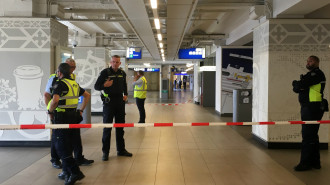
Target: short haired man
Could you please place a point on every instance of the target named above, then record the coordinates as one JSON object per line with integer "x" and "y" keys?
{"x": 310, "y": 88}
{"x": 112, "y": 83}
{"x": 63, "y": 110}
{"x": 55, "y": 159}
{"x": 140, "y": 94}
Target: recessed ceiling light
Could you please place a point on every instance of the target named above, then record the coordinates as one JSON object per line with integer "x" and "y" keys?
{"x": 157, "y": 24}
{"x": 153, "y": 4}
{"x": 161, "y": 45}
{"x": 159, "y": 36}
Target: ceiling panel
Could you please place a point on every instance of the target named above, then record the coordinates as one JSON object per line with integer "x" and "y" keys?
{"x": 177, "y": 2}
{"x": 174, "y": 25}
{"x": 177, "y": 11}
{"x": 135, "y": 12}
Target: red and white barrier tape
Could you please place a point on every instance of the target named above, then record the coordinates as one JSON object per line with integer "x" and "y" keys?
{"x": 102, "y": 125}
{"x": 163, "y": 104}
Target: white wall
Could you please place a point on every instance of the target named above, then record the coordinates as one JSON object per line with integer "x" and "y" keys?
{"x": 281, "y": 48}
{"x": 27, "y": 52}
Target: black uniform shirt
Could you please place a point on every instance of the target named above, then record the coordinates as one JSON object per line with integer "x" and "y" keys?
{"x": 119, "y": 86}
{"x": 313, "y": 77}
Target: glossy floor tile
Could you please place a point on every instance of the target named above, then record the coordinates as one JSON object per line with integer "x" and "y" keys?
{"x": 218, "y": 155}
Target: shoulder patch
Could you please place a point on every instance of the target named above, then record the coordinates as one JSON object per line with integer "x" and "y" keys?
{"x": 313, "y": 74}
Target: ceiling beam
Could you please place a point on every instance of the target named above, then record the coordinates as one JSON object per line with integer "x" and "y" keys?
{"x": 224, "y": 6}
{"x": 92, "y": 11}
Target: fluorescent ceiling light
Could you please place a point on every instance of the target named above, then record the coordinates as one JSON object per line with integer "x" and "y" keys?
{"x": 153, "y": 4}
{"x": 163, "y": 55}
{"x": 157, "y": 24}
{"x": 162, "y": 50}
{"x": 161, "y": 45}
{"x": 159, "y": 36}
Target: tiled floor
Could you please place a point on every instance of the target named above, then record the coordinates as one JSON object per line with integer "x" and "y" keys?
{"x": 170, "y": 156}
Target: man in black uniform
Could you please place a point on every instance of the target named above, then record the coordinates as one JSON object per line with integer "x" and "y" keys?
{"x": 310, "y": 88}
{"x": 112, "y": 83}
{"x": 77, "y": 144}
{"x": 63, "y": 110}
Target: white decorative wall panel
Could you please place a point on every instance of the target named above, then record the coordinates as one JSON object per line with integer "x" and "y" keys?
{"x": 25, "y": 53}
{"x": 90, "y": 62}
{"x": 288, "y": 43}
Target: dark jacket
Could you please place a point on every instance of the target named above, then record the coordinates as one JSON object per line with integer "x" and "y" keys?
{"x": 302, "y": 86}
{"x": 119, "y": 86}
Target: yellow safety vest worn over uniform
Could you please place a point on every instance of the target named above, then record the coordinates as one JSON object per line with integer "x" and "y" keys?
{"x": 315, "y": 94}
{"x": 69, "y": 100}
{"x": 73, "y": 76}
{"x": 310, "y": 87}
{"x": 141, "y": 91}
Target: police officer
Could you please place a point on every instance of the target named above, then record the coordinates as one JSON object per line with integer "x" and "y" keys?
{"x": 77, "y": 144}
{"x": 63, "y": 109}
{"x": 310, "y": 88}
{"x": 140, "y": 93}
{"x": 112, "y": 83}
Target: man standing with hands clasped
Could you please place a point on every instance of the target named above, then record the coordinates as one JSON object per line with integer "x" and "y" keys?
{"x": 112, "y": 83}
{"x": 140, "y": 93}
{"x": 310, "y": 88}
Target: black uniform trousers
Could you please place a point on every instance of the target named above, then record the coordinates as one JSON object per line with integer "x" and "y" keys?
{"x": 77, "y": 146}
{"x": 113, "y": 109}
{"x": 64, "y": 141}
{"x": 53, "y": 153}
{"x": 140, "y": 106}
{"x": 310, "y": 149}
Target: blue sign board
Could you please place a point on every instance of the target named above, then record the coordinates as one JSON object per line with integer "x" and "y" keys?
{"x": 134, "y": 53}
{"x": 147, "y": 69}
{"x": 192, "y": 53}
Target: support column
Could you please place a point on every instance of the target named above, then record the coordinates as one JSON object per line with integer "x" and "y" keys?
{"x": 281, "y": 47}
{"x": 197, "y": 84}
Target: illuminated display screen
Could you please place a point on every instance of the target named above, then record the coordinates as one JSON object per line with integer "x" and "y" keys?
{"x": 147, "y": 69}
{"x": 134, "y": 53}
{"x": 192, "y": 53}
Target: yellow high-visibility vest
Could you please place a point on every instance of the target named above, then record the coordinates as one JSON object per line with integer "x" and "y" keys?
{"x": 71, "y": 98}
{"x": 141, "y": 91}
{"x": 315, "y": 93}
{"x": 73, "y": 76}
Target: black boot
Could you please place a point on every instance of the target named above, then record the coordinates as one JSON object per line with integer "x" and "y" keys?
{"x": 74, "y": 178}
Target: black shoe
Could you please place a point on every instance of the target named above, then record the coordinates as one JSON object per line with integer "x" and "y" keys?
{"x": 124, "y": 153}
{"x": 105, "y": 157}
{"x": 84, "y": 162}
{"x": 57, "y": 164}
{"x": 302, "y": 167}
{"x": 74, "y": 178}
{"x": 63, "y": 175}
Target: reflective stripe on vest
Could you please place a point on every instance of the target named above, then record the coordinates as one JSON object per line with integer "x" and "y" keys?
{"x": 315, "y": 94}
{"x": 141, "y": 91}
{"x": 71, "y": 98}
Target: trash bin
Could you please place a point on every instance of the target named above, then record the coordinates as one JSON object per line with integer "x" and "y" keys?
{"x": 242, "y": 105}
{"x": 165, "y": 88}
{"x": 87, "y": 111}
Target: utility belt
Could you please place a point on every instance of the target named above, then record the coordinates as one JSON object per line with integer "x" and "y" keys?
{"x": 62, "y": 110}
{"x": 64, "y": 115}
{"x": 106, "y": 98}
